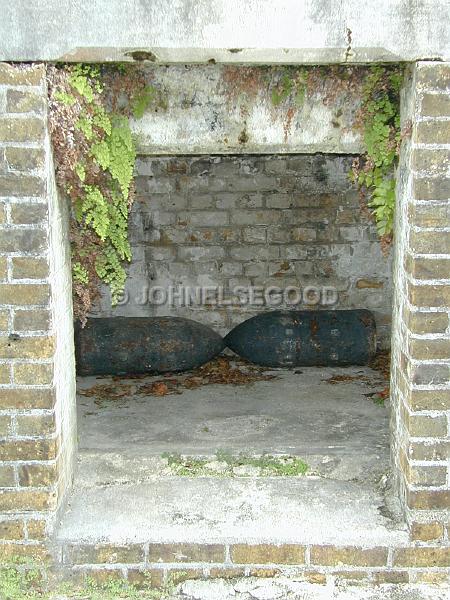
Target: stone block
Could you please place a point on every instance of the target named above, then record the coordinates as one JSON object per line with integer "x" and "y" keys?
{"x": 431, "y": 162}
{"x": 31, "y": 552}
{"x": 21, "y": 130}
{"x": 31, "y": 320}
{"x": 25, "y": 240}
{"x": 3, "y": 267}
{"x": 5, "y": 425}
{"x": 29, "y": 268}
{"x": 23, "y": 398}
{"x": 33, "y": 373}
{"x": 304, "y": 234}
{"x": 146, "y": 578}
{"x": 435, "y": 105}
{"x": 427, "y": 476}
{"x": 12, "y": 530}
{"x": 20, "y": 294}
{"x": 21, "y": 74}
{"x": 429, "y": 215}
{"x": 426, "y": 532}
{"x": 431, "y": 189}
{"x": 85, "y": 554}
{"x": 19, "y": 101}
{"x": 24, "y": 159}
{"x": 207, "y": 218}
{"x": 358, "y": 557}
{"x": 37, "y": 475}
{"x": 421, "y": 557}
{"x": 429, "y": 295}
{"x": 36, "y": 425}
{"x": 437, "y": 451}
{"x": 254, "y": 235}
{"x": 28, "y": 213}
{"x": 203, "y": 202}
{"x": 257, "y": 253}
{"x": 428, "y": 268}
{"x": 23, "y": 500}
{"x": 430, "y": 242}
{"x": 255, "y": 217}
{"x": 428, "y": 132}
{"x": 427, "y": 426}
{"x": 28, "y": 449}
{"x": 7, "y": 477}
{"x": 284, "y": 554}
{"x": 429, "y": 349}
{"x": 390, "y": 576}
{"x": 433, "y": 76}
{"x": 193, "y": 253}
{"x": 36, "y": 529}
{"x": 185, "y": 553}
{"x": 428, "y": 399}
{"x": 430, "y": 374}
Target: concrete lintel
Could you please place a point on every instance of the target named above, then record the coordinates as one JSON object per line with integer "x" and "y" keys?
{"x": 227, "y": 31}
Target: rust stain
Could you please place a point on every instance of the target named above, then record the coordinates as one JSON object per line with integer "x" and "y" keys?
{"x": 314, "y": 326}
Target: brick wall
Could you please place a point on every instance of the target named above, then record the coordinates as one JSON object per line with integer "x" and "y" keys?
{"x": 421, "y": 338}
{"x": 37, "y": 422}
{"x": 36, "y": 339}
{"x": 273, "y": 220}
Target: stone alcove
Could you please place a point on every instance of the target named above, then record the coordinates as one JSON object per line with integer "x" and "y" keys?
{"x": 38, "y": 445}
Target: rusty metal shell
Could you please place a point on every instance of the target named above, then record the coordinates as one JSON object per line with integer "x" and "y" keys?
{"x": 306, "y": 338}
{"x": 120, "y": 345}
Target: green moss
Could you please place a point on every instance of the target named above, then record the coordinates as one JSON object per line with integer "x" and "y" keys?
{"x": 268, "y": 465}
{"x": 21, "y": 580}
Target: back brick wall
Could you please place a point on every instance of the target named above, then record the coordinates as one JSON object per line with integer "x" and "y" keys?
{"x": 272, "y": 220}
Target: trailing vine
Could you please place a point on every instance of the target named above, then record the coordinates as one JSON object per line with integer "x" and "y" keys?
{"x": 95, "y": 154}
{"x": 379, "y": 121}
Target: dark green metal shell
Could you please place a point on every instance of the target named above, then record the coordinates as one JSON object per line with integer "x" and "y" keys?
{"x": 120, "y": 345}
{"x": 306, "y": 338}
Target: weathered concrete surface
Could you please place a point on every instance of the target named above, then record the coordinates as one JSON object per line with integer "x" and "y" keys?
{"x": 309, "y": 417}
{"x": 289, "y": 588}
{"x": 284, "y": 588}
{"x": 255, "y": 510}
{"x": 218, "y": 109}
{"x": 255, "y": 31}
{"x": 341, "y": 433}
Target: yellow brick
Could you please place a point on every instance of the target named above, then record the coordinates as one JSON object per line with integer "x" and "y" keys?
{"x": 5, "y": 375}
{"x": 288, "y": 554}
{"x": 24, "y": 294}
{"x": 11, "y": 530}
{"x": 33, "y": 373}
{"x": 25, "y": 500}
{"x": 348, "y": 555}
{"x": 29, "y": 268}
{"x": 27, "y": 347}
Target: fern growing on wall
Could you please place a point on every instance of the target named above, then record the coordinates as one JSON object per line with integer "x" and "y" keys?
{"x": 95, "y": 154}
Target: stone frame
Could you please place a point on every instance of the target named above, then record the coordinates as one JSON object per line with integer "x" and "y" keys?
{"x": 37, "y": 376}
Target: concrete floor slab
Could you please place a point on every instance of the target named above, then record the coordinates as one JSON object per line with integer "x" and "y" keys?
{"x": 275, "y": 510}
{"x": 124, "y": 492}
{"x": 298, "y": 413}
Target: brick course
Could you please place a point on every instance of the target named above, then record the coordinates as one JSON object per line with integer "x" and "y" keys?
{"x": 30, "y": 415}
{"x": 420, "y": 382}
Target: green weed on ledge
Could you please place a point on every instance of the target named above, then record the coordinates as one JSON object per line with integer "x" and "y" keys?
{"x": 226, "y": 464}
